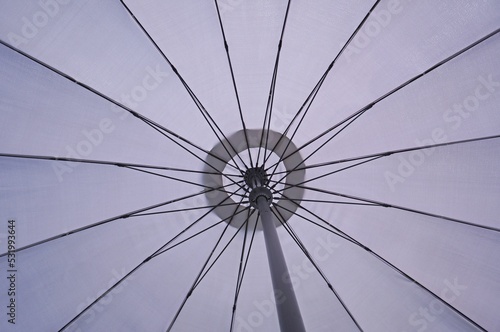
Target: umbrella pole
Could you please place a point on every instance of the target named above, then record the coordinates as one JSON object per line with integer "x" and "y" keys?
{"x": 261, "y": 197}
{"x": 289, "y": 315}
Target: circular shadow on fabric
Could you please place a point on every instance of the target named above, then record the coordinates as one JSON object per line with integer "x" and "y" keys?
{"x": 284, "y": 206}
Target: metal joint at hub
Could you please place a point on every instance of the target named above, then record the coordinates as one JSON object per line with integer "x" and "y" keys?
{"x": 260, "y": 192}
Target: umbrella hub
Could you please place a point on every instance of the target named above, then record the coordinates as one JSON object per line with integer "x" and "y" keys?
{"x": 277, "y": 163}
{"x": 255, "y": 177}
{"x": 256, "y": 180}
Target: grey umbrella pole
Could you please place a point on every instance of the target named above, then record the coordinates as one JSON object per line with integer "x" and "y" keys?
{"x": 286, "y": 303}
{"x": 261, "y": 197}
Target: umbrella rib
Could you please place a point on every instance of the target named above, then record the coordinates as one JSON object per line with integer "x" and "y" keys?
{"x": 194, "y": 154}
{"x": 200, "y": 232}
{"x": 388, "y": 153}
{"x": 240, "y": 270}
{"x": 222, "y": 251}
{"x": 272, "y": 88}
{"x": 135, "y": 269}
{"x": 267, "y": 115}
{"x": 348, "y": 238}
{"x": 176, "y": 316}
{"x": 226, "y": 47}
{"x": 108, "y": 220}
{"x": 306, "y": 102}
{"x": 248, "y": 254}
{"x": 323, "y": 175}
{"x": 426, "y": 289}
{"x": 235, "y": 175}
{"x": 341, "y": 234}
{"x": 185, "y": 209}
{"x": 323, "y": 201}
{"x": 103, "y": 162}
{"x": 310, "y": 98}
{"x": 206, "y": 115}
{"x": 396, "y": 89}
{"x": 402, "y": 208}
{"x": 302, "y": 247}
{"x": 320, "y": 176}
{"x": 113, "y": 101}
{"x": 304, "y": 160}
{"x": 204, "y": 161}
{"x": 182, "y": 180}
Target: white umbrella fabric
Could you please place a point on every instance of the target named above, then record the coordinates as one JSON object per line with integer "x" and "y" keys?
{"x": 125, "y": 134}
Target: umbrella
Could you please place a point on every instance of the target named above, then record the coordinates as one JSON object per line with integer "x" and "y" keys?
{"x": 146, "y": 146}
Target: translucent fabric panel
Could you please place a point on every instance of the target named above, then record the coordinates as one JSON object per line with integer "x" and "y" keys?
{"x": 457, "y": 262}
{"x": 320, "y": 307}
{"x": 45, "y": 207}
{"x": 363, "y": 281}
{"x": 163, "y": 283}
{"x": 252, "y": 47}
{"x": 49, "y": 115}
{"x": 98, "y": 43}
{"x": 314, "y": 35}
{"x": 457, "y": 181}
{"x": 189, "y": 34}
{"x": 388, "y": 54}
{"x": 62, "y": 277}
{"x": 253, "y": 311}
{"x": 455, "y": 102}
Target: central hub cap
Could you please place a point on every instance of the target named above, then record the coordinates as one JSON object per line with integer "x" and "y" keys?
{"x": 255, "y": 177}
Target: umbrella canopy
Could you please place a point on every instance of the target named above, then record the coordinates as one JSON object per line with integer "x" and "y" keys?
{"x": 127, "y": 128}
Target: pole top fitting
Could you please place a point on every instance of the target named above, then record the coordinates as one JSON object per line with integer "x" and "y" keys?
{"x": 258, "y": 192}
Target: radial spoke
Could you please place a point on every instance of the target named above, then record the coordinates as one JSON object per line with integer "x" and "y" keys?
{"x": 270, "y": 99}
{"x": 392, "y": 152}
{"x": 103, "y": 162}
{"x": 307, "y": 102}
{"x": 264, "y": 136}
{"x": 341, "y": 234}
{"x": 241, "y": 176}
{"x": 402, "y": 208}
{"x": 324, "y": 201}
{"x": 345, "y": 236}
{"x": 160, "y": 130}
{"x": 223, "y": 249}
{"x": 248, "y": 253}
{"x": 311, "y": 154}
{"x": 285, "y": 132}
{"x": 302, "y": 247}
{"x": 176, "y": 316}
{"x": 108, "y": 220}
{"x": 310, "y": 98}
{"x": 393, "y": 91}
{"x": 206, "y": 115}
{"x": 196, "y": 156}
{"x": 187, "y": 209}
{"x": 240, "y": 270}
{"x": 136, "y": 268}
{"x": 182, "y": 180}
{"x": 226, "y": 47}
{"x": 200, "y": 232}
{"x": 326, "y": 174}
